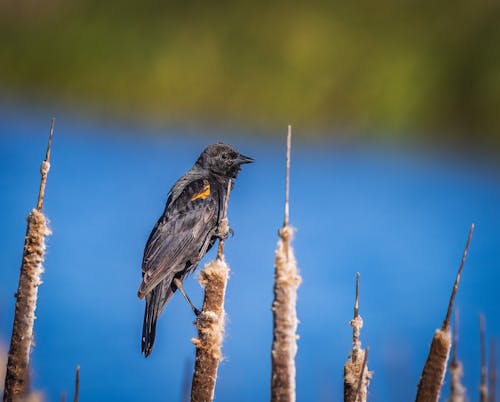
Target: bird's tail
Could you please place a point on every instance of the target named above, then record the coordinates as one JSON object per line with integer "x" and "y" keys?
{"x": 150, "y": 316}
{"x": 156, "y": 301}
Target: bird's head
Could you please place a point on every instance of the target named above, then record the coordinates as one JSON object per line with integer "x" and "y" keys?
{"x": 222, "y": 159}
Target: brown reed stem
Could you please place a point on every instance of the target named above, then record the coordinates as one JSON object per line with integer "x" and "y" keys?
{"x": 77, "y": 383}
{"x": 456, "y": 369}
{"x": 26, "y": 296}
{"x": 431, "y": 380}
{"x": 210, "y": 322}
{"x": 483, "y": 383}
{"x": 356, "y": 374}
{"x": 446, "y": 323}
{"x": 361, "y": 379}
{"x": 287, "y": 175}
{"x": 356, "y": 323}
{"x": 224, "y": 225}
{"x": 434, "y": 370}
{"x": 44, "y": 168}
{"x": 286, "y": 283}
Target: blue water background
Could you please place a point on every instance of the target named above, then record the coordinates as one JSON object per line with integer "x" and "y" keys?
{"x": 397, "y": 216}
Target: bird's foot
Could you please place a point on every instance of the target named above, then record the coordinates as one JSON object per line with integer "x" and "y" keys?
{"x": 223, "y": 230}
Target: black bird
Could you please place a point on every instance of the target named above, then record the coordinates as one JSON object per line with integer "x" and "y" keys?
{"x": 185, "y": 232}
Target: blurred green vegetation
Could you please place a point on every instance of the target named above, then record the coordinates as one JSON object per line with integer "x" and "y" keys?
{"x": 385, "y": 67}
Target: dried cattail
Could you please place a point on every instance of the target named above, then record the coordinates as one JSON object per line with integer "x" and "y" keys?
{"x": 77, "y": 383}
{"x": 3, "y": 366}
{"x": 434, "y": 369}
{"x": 32, "y": 397}
{"x": 26, "y": 296}
{"x": 457, "y": 389}
{"x": 286, "y": 283}
{"x": 356, "y": 374}
{"x": 210, "y": 322}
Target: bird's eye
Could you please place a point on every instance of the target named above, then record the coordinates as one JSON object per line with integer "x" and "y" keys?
{"x": 224, "y": 156}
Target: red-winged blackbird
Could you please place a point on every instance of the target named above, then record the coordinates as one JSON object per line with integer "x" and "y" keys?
{"x": 186, "y": 230}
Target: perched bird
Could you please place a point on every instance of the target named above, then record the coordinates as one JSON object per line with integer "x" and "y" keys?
{"x": 185, "y": 232}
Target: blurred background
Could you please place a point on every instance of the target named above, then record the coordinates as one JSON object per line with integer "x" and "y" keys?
{"x": 396, "y": 139}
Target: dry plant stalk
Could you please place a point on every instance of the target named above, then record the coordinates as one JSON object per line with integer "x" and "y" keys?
{"x": 483, "y": 384}
{"x": 457, "y": 389}
{"x": 26, "y": 296}
{"x": 492, "y": 370}
{"x": 434, "y": 369}
{"x": 210, "y": 322}
{"x": 286, "y": 283}
{"x": 3, "y": 366}
{"x": 32, "y": 397}
{"x": 77, "y": 383}
{"x": 361, "y": 381}
{"x": 356, "y": 374}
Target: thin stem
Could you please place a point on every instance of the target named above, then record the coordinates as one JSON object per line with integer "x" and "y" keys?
{"x": 44, "y": 168}
{"x": 446, "y": 322}
{"x": 220, "y": 248}
{"x": 287, "y": 175}
{"x": 77, "y": 383}
{"x": 356, "y": 301}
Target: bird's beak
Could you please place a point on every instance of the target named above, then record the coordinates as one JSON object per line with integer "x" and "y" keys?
{"x": 242, "y": 159}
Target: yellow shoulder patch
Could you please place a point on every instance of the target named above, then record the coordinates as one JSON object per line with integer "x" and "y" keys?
{"x": 203, "y": 193}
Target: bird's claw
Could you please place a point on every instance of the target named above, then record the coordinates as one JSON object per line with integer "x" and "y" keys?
{"x": 223, "y": 230}
{"x": 225, "y": 235}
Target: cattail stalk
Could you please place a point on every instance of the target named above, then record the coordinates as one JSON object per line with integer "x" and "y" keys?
{"x": 356, "y": 374}
{"x": 77, "y": 383}
{"x": 457, "y": 389}
{"x": 434, "y": 369}
{"x": 483, "y": 382}
{"x": 26, "y": 296}
{"x": 286, "y": 283}
{"x": 210, "y": 322}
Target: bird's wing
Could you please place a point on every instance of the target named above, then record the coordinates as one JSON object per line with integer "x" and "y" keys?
{"x": 181, "y": 232}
